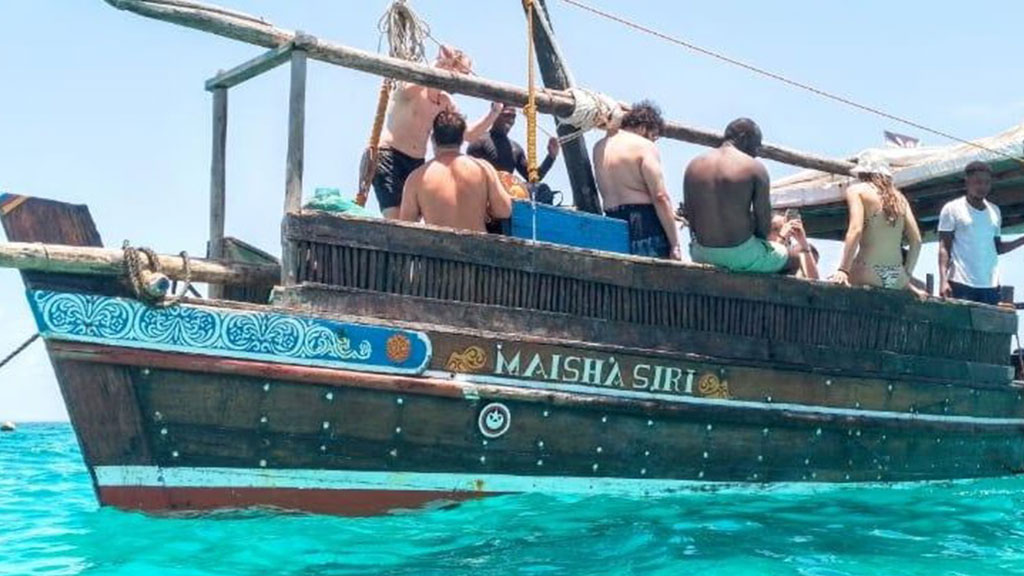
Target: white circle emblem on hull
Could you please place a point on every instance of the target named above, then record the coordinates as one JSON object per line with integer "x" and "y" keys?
{"x": 494, "y": 420}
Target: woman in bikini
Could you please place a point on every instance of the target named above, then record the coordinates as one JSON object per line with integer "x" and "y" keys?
{"x": 881, "y": 222}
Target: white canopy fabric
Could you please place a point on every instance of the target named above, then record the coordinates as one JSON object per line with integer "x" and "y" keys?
{"x": 909, "y": 165}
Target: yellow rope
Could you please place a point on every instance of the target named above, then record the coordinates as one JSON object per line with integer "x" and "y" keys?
{"x": 531, "y": 104}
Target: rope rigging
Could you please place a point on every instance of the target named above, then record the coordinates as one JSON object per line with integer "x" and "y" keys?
{"x": 149, "y": 283}
{"x": 19, "y": 349}
{"x": 780, "y": 78}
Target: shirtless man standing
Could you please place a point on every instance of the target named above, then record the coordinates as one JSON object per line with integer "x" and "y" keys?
{"x": 730, "y": 213}
{"x": 629, "y": 177}
{"x": 454, "y": 189}
{"x": 403, "y": 143}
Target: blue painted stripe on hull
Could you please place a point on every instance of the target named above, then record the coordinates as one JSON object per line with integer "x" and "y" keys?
{"x": 312, "y": 479}
{"x": 236, "y": 334}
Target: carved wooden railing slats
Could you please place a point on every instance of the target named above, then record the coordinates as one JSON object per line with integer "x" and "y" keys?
{"x": 452, "y": 266}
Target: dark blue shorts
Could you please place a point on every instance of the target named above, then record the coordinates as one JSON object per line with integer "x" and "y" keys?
{"x": 393, "y": 168}
{"x": 980, "y": 295}
{"x": 646, "y": 236}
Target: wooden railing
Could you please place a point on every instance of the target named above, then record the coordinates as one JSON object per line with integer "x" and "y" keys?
{"x": 415, "y": 261}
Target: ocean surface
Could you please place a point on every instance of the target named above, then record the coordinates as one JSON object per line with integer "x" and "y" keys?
{"x": 50, "y": 524}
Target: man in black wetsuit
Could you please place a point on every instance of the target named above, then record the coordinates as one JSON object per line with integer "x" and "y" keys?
{"x": 505, "y": 154}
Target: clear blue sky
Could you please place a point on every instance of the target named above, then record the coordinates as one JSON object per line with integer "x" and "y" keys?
{"x": 106, "y": 108}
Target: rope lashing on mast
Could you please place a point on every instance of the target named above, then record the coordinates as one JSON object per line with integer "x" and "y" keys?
{"x": 406, "y": 34}
{"x": 149, "y": 283}
{"x": 592, "y": 110}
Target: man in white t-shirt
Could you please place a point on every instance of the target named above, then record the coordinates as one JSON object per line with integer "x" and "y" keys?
{"x": 970, "y": 243}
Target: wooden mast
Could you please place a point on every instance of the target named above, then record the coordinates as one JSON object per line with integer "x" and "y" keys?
{"x": 261, "y": 33}
{"x": 556, "y": 74}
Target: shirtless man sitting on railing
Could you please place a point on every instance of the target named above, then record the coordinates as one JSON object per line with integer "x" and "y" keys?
{"x": 403, "y": 143}
{"x": 726, "y": 196}
{"x": 627, "y": 167}
{"x": 454, "y": 189}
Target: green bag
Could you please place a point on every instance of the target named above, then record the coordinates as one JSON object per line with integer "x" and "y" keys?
{"x": 331, "y": 200}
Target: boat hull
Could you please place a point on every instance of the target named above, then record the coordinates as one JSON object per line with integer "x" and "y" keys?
{"x": 423, "y": 378}
{"x": 199, "y": 432}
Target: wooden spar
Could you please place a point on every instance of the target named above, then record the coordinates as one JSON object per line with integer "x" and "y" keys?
{"x": 218, "y": 179}
{"x": 555, "y": 74}
{"x": 104, "y": 261}
{"x": 247, "y": 70}
{"x": 254, "y": 31}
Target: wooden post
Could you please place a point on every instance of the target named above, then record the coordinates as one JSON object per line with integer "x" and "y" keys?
{"x": 296, "y": 143}
{"x": 296, "y": 133}
{"x": 215, "y": 248}
{"x": 556, "y": 75}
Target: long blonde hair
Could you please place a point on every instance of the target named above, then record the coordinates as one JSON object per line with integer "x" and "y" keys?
{"x": 894, "y": 205}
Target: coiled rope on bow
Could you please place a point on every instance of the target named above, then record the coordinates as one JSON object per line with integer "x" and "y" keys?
{"x": 406, "y": 34}
{"x": 149, "y": 283}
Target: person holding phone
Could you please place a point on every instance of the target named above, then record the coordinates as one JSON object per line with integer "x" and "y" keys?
{"x": 788, "y": 230}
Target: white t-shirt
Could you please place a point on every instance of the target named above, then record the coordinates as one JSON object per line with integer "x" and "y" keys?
{"x": 974, "y": 231}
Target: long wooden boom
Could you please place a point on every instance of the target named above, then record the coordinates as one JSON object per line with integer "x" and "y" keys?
{"x": 105, "y": 261}
{"x": 237, "y": 26}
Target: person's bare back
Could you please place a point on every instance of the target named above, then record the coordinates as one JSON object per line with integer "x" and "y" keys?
{"x": 627, "y": 167}
{"x": 619, "y": 175}
{"x": 453, "y": 189}
{"x": 726, "y": 196}
{"x": 456, "y": 191}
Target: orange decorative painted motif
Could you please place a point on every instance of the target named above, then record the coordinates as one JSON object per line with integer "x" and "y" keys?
{"x": 399, "y": 348}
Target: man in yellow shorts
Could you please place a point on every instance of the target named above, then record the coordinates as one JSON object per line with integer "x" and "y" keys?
{"x": 726, "y": 196}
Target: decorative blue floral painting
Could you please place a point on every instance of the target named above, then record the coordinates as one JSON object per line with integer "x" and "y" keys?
{"x": 192, "y": 329}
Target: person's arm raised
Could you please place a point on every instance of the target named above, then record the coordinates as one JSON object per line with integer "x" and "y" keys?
{"x": 549, "y": 160}
{"x": 477, "y": 130}
{"x": 654, "y": 179}
{"x": 854, "y": 230}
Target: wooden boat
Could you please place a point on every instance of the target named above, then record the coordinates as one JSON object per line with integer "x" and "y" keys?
{"x": 400, "y": 365}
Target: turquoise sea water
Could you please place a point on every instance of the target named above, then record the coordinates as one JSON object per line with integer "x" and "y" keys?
{"x": 50, "y": 524}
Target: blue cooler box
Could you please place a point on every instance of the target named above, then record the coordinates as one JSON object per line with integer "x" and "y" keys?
{"x": 569, "y": 227}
